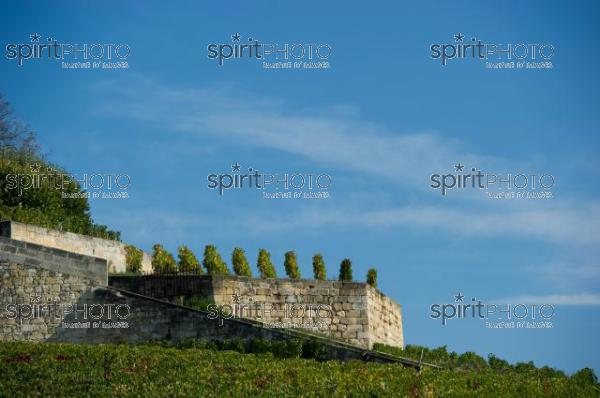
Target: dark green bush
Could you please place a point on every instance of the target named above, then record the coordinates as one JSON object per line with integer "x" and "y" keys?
{"x": 233, "y": 345}
{"x": 291, "y": 265}
{"x": 470, "y": 360}
{"x": 346, "y": 270}
{"x": 240, "y": 262}
{"x": 313, "y": 349}
{"x": 585, "y": 376}
{"x": 523, "y": 367}
{"x": 264, "y": 264}
{"x": 162, "y": 260}
{"x": 318, "y": 264}
{"x": 372, "y": 277}
{"x": 259, "y": 346}
{"x": 188, "y": 262}
{"x": 213, "y": 263}
{"x": 498, "y": 364}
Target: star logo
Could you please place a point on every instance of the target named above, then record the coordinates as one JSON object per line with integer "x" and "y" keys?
{"x": 35, "y": 38}
{"x": 35, "y": 167}
{"x": 235, "y": 167}
{"x": 235, "y": 37}
{"x": 458, "y": 297}
{"x": 35, "y": 298}
{"x": 236, "y": 297}
{"x": 459, "y": 37}
{"x": 459, "y": 166}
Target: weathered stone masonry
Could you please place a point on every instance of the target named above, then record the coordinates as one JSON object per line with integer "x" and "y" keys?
{"x": 32, "y": 274}
{"x": 112, "y": 251}
{"x": 351, "y": 311}
{"x": 147, "y": 319}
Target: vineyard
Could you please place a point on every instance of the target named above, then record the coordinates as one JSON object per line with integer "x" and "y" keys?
{"x": 209, "y": 370}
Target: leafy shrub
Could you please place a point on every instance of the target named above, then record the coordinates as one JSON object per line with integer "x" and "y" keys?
{"x": 318, "y": 264}
{"x": 133, "y": 259}
{"x": 233, "y": 345}
{"x": 188, "y": 260}
{"x": 313, "y": 349}
{"x": 585, "y": 376}
{"x": 44, "y": 205}
{"x": 213, "y": 262}
{"x": 546, "y": 372}
{"x": 240, "y": 262}
{"x": 291, "y": 265}
{"x": 21, "y": 160}
{"x": 524, "y": 367}
{"x": 498, "y": 364}
{"x": 295, "y": 348}
{"x": 264, "y": 264}
{"x": 260, "y": 346}
{"x": 162, "y": 260}
{"x": 470, "y": 360}
{"x": 372, "y": 277}
{"x": 212, "y": 345}
{"x": 279, "y": 348}
{"x": 346, "y": 270}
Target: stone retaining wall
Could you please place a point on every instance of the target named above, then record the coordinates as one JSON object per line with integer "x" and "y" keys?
{"x": 51, "y": 259}
{"x": 350, "y": 311}
{"x": 111, "y": 250}
{"x": 56, "y": 307}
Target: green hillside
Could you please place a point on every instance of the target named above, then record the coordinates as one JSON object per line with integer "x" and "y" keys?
{"x": 65, "y": 370}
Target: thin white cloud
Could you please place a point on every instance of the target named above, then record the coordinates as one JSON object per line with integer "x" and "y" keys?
{"x": 566, "y": 276}
{"x": 338, "y": 138}
{"x": 556, "y": 224}
{"x": 575, "y": 299}
{"x": 334, "y": 136}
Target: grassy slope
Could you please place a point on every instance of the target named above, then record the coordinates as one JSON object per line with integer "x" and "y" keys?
{"x": 55, "y": 370}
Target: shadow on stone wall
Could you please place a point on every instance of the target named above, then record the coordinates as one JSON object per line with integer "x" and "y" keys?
{"x": 150, "y": 319}
{"x": 85, "y": 312}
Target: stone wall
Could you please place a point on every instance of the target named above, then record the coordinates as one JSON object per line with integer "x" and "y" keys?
{"x": 112, "y": 251}
{"x": 28, "y": 295}
{"x": 60, "y": 261}
{"x": 385, "y": 318}
{"x": 57, "y": 307}
{"x": 349, "y": 311}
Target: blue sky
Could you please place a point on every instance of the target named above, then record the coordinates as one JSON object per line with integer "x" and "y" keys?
{"x": 380, "y": 121}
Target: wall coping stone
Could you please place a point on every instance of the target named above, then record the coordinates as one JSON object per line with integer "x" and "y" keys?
{"x": 55, "y": 260}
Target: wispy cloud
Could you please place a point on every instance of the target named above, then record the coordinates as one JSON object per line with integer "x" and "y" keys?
{"x": 575, "y": 299}
{"x": 567, "y": 276}
{"x": 337, "y": 137}
{"x": 549, "y": 224}
{"x": 334, "y": 136}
